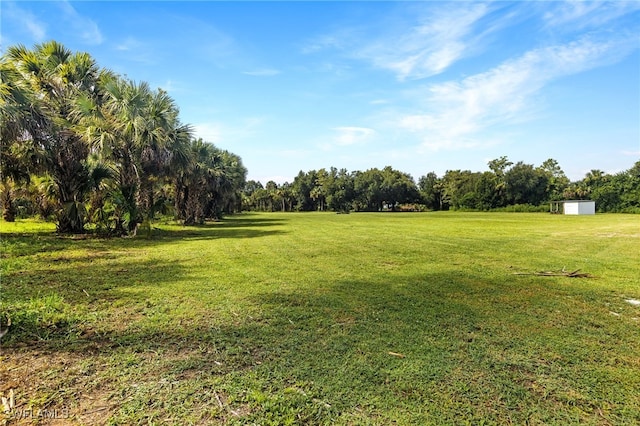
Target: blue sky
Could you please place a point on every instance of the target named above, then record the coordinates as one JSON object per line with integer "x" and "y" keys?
{"x": 420, "y": 86}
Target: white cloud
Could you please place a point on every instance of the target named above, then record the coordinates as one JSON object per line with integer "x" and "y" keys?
{"x": 209, "y": 132}
{"x": 424, "y": 42}
{"x": 135, "y": 50}
{"x": 226, "y": 133}
{"x": 338, "y": 40}
{"x": 27, "y": 20}
{"x": 429, "y": 47}
{"x": 171, "y": 86}
{"x": 504, "y": 95}
{"x": 262, "y": 72}
{"x": 352, "y": 135}
{"x": 585, "y": 14}
{"x": 82, "y": 26}
{"x": 129, "y": 44}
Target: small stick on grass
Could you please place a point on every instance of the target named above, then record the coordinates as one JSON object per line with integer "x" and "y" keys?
{"x": 218, "y": 399}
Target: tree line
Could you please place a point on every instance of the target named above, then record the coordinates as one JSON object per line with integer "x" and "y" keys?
{"x": 505, "y": 186}
{"x": 84, "y": 145}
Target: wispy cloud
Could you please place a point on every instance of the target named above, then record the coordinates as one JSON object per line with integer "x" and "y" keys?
{"x": 82, "y": 26}
{"x": 341, "y": 39}
{"x": 262, "y": 72}
{"x": 504, "y": 95}
{"x": 173, "y": 86}
{"x": 36, "y": 28}
{"x": 346, "y": 136}
{"x": 209, "y": 132}
{"x": 136, "y": 50}
{"x": 128, "y": 44}
{"x": 422, "y": 45}
{"x": 584, "y": 14}
{"x": 429, "y": 47}
{"x": 218, "y": 47}
{"x": 235, "y": 131}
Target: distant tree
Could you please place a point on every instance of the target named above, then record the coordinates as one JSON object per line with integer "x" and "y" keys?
{"x": 398, "y": 188}
{"x": 460, "y": 189}
{"x": 614, "y": 193}
{"x": 557, "y": 181}
{"x": 526, "y": 185}
{"x": 321, "y": 189}
{"x": 301, "y": 187}
{"x": 488, "y": 192}
{"x": 340, "y": 193}
{"x": 499, "y": 167}
{"x": 231, "y": 179}
{"x": 211, "y": 185}
{"x": 252, "y": 186}
{"x": 272, "y": 190}
{"x": 368, "y": 189}
{"x": 286, "y": 196}
{"x": 630, "y": 190}
{"x": 249, "y": 195}
{"x": 430, "y": 188}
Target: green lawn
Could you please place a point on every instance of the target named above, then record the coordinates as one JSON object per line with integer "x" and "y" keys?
{"x": 328, "y": 319}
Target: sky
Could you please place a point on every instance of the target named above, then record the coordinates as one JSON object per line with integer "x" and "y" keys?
{"x": 421, "y": 86}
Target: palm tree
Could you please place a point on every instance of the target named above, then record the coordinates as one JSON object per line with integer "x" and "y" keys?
{"x": 231, "y": 180}
{"x": 16, "y": 115}
{"x": 138, "y": 130}
{"x": 193, "y": 183}
{"x": 164, "y": 149}
{"x": 55, "y": 77}
{"x": 210, "y": 185}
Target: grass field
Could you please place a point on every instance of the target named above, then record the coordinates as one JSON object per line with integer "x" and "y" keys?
{"x": 327, "y": 319}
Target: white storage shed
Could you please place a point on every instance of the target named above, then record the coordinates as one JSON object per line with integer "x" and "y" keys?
{"x": 579, "y": 207}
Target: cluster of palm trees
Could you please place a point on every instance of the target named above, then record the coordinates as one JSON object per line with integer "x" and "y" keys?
{"x": 110, "y": 150}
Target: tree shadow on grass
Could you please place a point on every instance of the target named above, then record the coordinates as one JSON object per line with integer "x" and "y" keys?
{"x": 236, "y": 227}
{"x": 210, "y": 232}
{"x": 85, "y": 272}
{"x": 16, "y": 248}
{"x": 239, "y": 226}
{"x": 52, "y": 305}
{"x": 335, "y": 307}
{"x": 378, "y": 346}
{"x": 331, "y": 343}
{"x": 287, "y": 327}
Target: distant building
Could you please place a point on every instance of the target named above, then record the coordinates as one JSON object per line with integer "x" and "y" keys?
{"x": 574, "y": 207}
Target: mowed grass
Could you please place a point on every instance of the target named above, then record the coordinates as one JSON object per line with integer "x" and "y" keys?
{"x": 328, "y": 319}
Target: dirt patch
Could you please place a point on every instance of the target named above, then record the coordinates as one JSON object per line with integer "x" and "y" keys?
{"x": 45, "y": 389}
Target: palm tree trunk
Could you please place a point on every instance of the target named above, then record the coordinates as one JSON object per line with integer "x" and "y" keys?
{"x": 8, "y": 207}
{"x": 180, "y": 198}
{"x": 71, "y": 178}
{"x": 128, "y": 185}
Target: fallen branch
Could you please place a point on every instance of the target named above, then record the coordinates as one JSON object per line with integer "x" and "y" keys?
{"x": 563, "y": 273}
